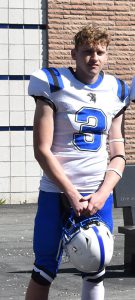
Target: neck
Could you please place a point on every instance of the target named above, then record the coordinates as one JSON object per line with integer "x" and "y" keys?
{"x": 86, "y": 79}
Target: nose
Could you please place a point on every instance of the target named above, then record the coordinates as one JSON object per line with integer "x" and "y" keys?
{"x": 94, "y": 56}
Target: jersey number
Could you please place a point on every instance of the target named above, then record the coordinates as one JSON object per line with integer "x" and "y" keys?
{"x": 93, "y": 123}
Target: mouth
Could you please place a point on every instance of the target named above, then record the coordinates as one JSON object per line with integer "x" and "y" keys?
{"x": 93, "y": 66}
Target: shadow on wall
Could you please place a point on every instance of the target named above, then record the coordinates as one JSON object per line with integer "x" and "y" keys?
{"x": 44, "y": 32}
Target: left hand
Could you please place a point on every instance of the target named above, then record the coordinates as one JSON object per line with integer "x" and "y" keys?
{"x": 95, "y": 202}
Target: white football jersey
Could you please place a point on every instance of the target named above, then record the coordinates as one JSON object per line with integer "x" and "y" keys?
{"x": 84, "y": 114}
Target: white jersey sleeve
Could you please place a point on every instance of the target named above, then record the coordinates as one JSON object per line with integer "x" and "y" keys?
{"x": 120, "y": 89}
{"x": 44, "y": 83}
{"x": 38, "y": 85}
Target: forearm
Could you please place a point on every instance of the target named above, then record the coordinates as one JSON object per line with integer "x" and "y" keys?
{"x": 117, "y": 157}
{"x": 111, "y": 176}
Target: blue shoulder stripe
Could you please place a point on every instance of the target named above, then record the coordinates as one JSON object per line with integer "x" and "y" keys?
{"x": 123, "y": 90}
{"x": 54, "y": 79}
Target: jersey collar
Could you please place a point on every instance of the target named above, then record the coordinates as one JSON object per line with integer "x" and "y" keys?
{"x": 92, "y": 85}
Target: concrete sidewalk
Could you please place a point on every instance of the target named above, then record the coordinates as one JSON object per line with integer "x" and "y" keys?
{"x": 16, "y": 260}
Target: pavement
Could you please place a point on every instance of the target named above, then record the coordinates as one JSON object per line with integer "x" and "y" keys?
{"x": 16, "y": 260}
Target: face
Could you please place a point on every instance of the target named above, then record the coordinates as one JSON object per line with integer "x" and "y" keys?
{"x": 89, "y": 61}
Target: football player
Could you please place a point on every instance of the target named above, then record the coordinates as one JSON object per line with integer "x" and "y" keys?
{"x": 78, "y": 113}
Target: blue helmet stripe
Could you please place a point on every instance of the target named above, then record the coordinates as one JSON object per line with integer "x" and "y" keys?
{"x": 101, "y": 245}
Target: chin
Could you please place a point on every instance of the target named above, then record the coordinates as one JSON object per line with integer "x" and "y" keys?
{"x": 93, "y": 74}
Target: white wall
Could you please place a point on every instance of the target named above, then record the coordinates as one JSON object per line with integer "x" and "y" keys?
{"x": 23, "y": 49}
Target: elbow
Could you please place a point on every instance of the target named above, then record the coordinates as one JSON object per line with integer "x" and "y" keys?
{"x": 41, "y": 153}
{"x": 36, "y": 154}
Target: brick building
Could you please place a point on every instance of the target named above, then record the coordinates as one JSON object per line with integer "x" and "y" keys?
{"x": 34, "y": 33}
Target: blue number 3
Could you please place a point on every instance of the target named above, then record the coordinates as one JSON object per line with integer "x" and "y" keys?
{"x": 93, "y": 124}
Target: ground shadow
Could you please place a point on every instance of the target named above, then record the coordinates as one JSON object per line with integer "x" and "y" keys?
{"x": 114, "y": 271}
{"x": 118, "y": 271}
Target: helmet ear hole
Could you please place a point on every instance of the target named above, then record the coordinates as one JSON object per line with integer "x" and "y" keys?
{"x": 74, "y": 249}
{"x": 90, "y": 250}
{"x": 108, "y": 234}
{"x": 87, "y": 241}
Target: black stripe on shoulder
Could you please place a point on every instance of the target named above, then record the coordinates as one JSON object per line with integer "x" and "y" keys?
{"x": 45, "y": 100}
{"x": 55, "y": 80}
{"x": 122, "y": 89}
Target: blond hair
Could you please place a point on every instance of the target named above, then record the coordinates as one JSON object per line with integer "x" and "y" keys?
{"x": 91, "y": 35}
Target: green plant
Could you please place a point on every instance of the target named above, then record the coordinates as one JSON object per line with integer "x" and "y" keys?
{"x": 2, "y": 201}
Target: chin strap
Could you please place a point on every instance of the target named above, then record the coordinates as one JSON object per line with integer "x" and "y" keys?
{"x": 73, "y": 225}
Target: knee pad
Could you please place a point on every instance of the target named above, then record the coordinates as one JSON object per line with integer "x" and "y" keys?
{"x": 94, "y": 277}
{"x": 41, "y": 276}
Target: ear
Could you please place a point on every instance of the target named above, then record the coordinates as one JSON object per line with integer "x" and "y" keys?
{"x": 73, "y": 53}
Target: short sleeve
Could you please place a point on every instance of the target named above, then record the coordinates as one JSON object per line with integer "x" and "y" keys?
{"x": 122, "y": 94}
{"x": 38, "y": 85}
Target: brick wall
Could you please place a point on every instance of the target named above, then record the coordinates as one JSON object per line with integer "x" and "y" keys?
{"x": 65, "y": 17}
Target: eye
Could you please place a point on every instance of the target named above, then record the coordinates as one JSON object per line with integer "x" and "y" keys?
{"x": 88, "y": 52}
{"x": 100, "y": 53}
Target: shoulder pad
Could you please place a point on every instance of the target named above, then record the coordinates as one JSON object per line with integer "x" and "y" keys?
{"x": 54, "y": 79}
{"x": 123, "y": 89}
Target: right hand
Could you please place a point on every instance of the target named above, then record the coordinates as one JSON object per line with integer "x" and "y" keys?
{"x": 79, "y": 206}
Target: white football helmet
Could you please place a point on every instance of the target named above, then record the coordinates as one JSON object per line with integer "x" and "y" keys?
{"x": 89, "y": 245}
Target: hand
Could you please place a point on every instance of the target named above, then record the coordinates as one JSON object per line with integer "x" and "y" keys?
{"x": 79, "y": 206}
{"x": 94, "y": 203}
